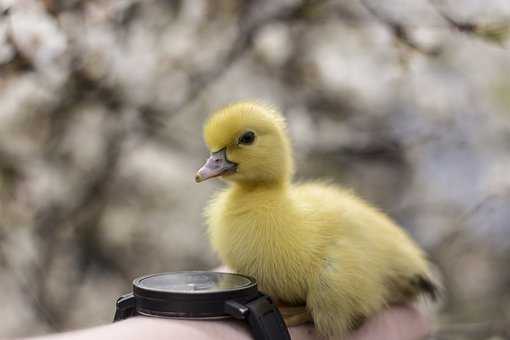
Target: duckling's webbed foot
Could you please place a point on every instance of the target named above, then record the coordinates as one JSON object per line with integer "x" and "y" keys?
{"x": 295, "y": 315}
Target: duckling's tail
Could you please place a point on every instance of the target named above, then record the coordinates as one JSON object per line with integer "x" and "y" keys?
{"x": 431, "y": 294}
{"x": 430, "y": 284}
{"x": 424, "y": 285}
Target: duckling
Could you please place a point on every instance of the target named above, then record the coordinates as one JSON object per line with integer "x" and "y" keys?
{"x": 322, "y": 252}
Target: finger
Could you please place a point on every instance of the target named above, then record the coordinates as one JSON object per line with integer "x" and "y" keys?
{"x": 396, "y": 323}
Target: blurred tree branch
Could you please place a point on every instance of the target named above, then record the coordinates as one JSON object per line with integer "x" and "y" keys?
{"x": 400, "y": 32}
{"x": 247, "y": 30}
{"x": 19, "y": 61}
{"x": 493, "y": 33}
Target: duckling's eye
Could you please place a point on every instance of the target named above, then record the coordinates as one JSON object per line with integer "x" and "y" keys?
{"x": 247, "y": 138}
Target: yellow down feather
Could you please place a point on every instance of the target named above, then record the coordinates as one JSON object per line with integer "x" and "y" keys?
{"x": 313, "y": 244}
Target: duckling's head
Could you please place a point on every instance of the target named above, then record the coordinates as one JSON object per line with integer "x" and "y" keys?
{"x": 248, "y": 145}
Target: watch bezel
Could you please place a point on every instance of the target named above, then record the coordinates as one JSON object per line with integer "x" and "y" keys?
{"x": 189, "y": 305}
{"x": 138, "y": 280}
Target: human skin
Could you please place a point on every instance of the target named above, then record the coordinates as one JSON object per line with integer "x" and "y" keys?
{"x": 396, "y": 323}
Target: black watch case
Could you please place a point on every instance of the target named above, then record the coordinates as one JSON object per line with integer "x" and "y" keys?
{"x": 204, "y": 295}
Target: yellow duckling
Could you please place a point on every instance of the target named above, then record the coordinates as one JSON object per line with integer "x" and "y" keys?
{"x": 316, "y": 248}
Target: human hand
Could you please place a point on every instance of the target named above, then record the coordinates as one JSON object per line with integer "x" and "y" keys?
{"x": 395, "y": 323}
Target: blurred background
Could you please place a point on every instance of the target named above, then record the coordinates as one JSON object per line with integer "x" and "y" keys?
{"x": 102, "y": 105}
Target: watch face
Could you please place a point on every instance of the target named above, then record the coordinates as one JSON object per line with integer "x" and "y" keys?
{"x": 194, "y": 282}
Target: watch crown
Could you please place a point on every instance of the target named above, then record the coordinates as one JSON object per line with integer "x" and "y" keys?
{"x": 236, "y": 309}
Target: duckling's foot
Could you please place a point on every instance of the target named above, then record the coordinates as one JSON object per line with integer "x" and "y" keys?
{"x": 295, "y": 315}
{"x": 298, "y": 319}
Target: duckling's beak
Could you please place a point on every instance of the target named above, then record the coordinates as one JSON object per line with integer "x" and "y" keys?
{"x": 216, "y": 165}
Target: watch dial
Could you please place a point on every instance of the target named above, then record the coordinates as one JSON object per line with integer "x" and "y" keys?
{"x": 194, "y": 282}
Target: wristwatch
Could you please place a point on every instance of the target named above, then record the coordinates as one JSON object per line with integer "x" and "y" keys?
{"x": 204, "y": 295}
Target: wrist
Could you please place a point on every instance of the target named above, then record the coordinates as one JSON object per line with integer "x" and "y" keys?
{"x": 163, "y": 329}
{"x": 141, "y": 327}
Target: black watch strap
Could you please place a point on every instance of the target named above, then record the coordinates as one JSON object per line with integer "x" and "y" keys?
{"x": 125, "y": 307}
{"x": 265, "y": 320}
